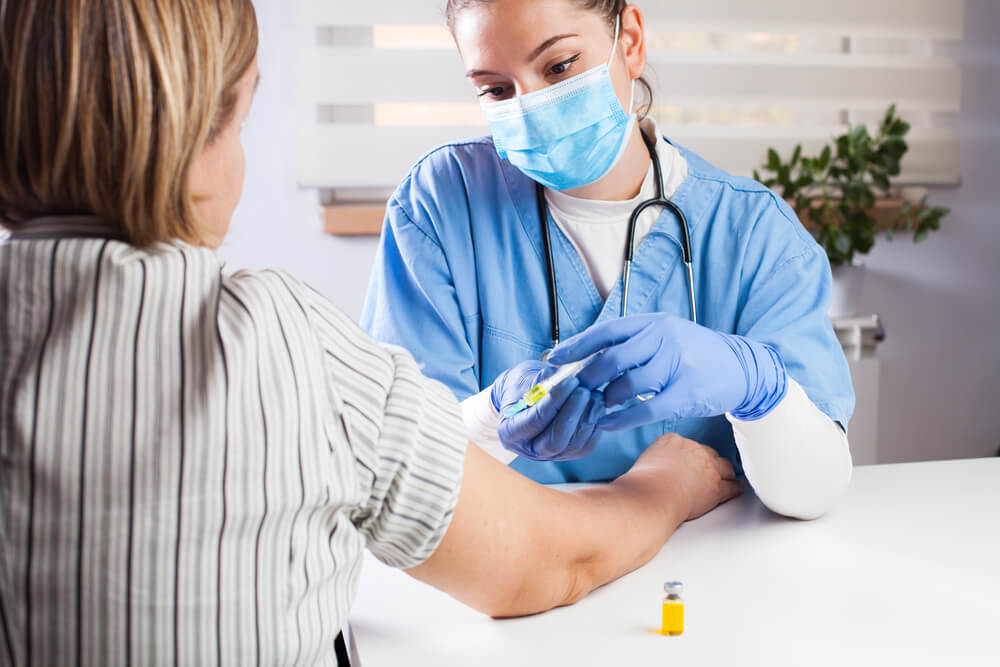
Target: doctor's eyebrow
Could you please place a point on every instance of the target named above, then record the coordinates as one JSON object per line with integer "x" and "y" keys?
{"x": 472, "y": 73}
{"x": 546, "y": 44}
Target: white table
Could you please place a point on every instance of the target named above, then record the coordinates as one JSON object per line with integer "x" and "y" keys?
{"x": 905, "y": 571}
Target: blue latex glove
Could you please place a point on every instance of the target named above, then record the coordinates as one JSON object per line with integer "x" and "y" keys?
{"x": 560, "y": 427}
{"x": 688, "y": 370}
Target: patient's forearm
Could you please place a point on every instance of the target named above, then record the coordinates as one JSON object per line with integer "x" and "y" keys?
{"x": 626, "y": 523}
{"x": 515, "y": 547}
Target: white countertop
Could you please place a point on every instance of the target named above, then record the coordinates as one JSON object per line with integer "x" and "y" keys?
{"x": 905, "y": 571}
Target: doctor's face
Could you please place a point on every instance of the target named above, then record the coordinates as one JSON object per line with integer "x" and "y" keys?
{"x": 514, "y": 47}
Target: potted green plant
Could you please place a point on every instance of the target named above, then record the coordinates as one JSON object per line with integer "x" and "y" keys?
{"x": 843, "y": 195}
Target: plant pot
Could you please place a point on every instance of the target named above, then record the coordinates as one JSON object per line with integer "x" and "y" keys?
{"x": 886, "y": 211}
{"x": 848, "y": 280}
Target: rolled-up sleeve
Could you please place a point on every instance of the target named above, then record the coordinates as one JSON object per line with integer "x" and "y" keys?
{"x": 418, "y": 467}
{"x": 407, "y": 437}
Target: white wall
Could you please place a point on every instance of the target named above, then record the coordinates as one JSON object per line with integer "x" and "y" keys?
{"x": 276, "y": 225}
{"x": 940, "y": 300}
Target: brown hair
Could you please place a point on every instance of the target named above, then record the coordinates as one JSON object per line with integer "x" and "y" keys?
{"x": 107, "y": 104}
{"x": 610, "y": 10}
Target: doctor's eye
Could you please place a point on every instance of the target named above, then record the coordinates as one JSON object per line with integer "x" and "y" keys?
{"x": 561, "y": 68}
{"x": 495, "y": 93}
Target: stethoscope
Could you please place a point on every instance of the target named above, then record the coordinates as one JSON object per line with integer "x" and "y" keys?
{"x": 658, "y": 200}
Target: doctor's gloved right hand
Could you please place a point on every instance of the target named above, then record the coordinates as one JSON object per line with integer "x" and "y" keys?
{"x": 681, "y": 369}
{"x": 560, "y": 427}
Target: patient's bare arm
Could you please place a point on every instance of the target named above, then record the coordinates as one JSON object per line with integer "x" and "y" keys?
{"x": 515, "y": 547}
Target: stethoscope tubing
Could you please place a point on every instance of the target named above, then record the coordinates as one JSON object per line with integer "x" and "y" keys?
{"x": 658, "y": 200}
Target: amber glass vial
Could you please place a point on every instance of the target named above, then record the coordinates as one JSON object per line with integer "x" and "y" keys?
{"x": 673, "y": 609}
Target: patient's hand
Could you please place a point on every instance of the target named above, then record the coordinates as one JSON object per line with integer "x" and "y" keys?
{"x": 697, "y": 477}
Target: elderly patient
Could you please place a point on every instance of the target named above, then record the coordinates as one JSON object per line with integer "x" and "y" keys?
{"x": 191, "y": 463}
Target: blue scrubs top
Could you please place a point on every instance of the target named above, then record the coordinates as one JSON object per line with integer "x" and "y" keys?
{"x": 460, "y": 280}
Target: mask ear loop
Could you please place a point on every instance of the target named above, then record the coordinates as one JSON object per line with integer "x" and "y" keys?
{"x": 614, "y": 44}
{"x": 611, "y": 60}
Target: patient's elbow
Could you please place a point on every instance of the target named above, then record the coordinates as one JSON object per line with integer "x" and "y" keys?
{"x": 537, "y": 592}
{"x": 499, "y": 599}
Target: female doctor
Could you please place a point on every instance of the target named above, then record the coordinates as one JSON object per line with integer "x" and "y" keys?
{"x": 577, "y": 227}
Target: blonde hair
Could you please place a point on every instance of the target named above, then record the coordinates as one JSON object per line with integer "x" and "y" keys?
{"x": 107, "y": 104}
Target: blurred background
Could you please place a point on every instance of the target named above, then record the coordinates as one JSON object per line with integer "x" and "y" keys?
{"x": 352, "y": 94}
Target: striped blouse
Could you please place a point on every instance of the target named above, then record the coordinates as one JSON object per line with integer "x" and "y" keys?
{"x": 191, "y": 462}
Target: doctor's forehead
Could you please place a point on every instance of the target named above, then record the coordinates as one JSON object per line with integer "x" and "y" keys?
{"x": 518, "y": 28}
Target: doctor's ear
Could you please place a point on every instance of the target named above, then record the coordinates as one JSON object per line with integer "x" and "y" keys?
{"x": 633, "y": 41}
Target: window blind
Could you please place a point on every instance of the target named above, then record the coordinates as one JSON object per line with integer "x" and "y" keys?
{"x": 381, "y": 83}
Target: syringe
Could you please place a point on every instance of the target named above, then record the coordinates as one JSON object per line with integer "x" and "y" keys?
{"x": 542, "y": 389}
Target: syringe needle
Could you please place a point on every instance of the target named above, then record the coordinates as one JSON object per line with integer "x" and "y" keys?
{"x": 542, "y": 389}
{"x": 520, "y": 406}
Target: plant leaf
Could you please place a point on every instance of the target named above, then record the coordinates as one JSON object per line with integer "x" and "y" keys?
{"x": 824, "y": 157}
{"x": 843, "y": 146}
{"x": 784, "y": 175}
{"x": 796, "y": 155}
{"x": 890, "y": 115}
{"x": 773, "y": 160}
{"x": 881, "y": 180}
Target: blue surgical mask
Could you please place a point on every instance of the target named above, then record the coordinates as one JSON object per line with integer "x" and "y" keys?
{"x": 568, "y": 135}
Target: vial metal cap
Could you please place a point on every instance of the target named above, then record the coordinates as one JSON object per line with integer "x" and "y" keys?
{"x": 673, "y": 587}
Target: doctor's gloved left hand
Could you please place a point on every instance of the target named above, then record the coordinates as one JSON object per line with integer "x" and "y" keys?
{"x": 679, "y": 368}
{"x": 560, "y": 427}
